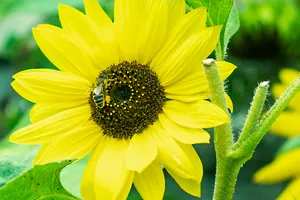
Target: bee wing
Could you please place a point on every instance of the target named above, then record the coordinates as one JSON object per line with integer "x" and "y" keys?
{"x": 98, "y": 90}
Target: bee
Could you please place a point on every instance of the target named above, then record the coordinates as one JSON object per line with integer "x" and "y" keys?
{"x": 100, "y": 92}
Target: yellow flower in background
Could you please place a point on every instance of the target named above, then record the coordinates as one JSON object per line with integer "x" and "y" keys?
{"x": 286, "y": 165}
{"x": 287, "y": 124}
{"x": 131, "y": 91}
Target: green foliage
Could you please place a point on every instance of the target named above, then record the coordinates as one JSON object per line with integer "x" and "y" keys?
{"x": 12, "y": 166}
{"x": 6, "y": 6}
{"x": 289, "y": 145}
{"x": 232, "y": 26}
{"x": 42, "y": 182}
{"x": 44, "y": 7}
{"x": 220, "y": 12}
{"x": 5, "y": 77}
{"x": 5, "y": 145}
{"x": 18, "y": 17}
{"x": 72, "y": 174}
{"x": 270, "y": 21}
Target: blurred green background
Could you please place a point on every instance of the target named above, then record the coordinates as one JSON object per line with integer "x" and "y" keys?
{"x": 268, "y": 40}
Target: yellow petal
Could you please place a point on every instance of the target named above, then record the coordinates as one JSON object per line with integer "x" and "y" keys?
{"x": 152, "y": 30}
{"x": 195, "y": 81}
{"x": 40, "y": 153}
{"x": 75, "y": 144}
{"x": 39, "y": 112}
{"x": 195, "y": 160}
{"x": 288, "y": 75}
{"x": 67, "y": 56}
{"x": 225, "y": 69}
{"x": 188, "y": 98}
{"x": 172, "y": 155}
{"x": 183, "y": 134}
{"x": 51, "y": 128}
{"x": 190, "y": 24}
{"x": 199, "y": 114}
{"x": 190, "y": 186}
{"x": 229, "y": 102}
{"x": 142, "y": 150}
{"x": 51, "y": 86}
{"x": 87, "y": 188}
{"x": 278, "y": 90}
{"x": 192, "y": 84}
{"x": 100, "y": 43}
{"x": 112, "y": 180}
{"x": 287, "y": 124}
{"x": 292, "y": 191}
{"x": 176, "y": 12}
{"x": 151, "y": 182}
{"x": 196, "y": 97}
{"x": 282, "y": 168}
{"x": 128, "y": 18}
{"x": 95, "y": 12}
{"x": 187, "y": 57}
{"x": 54, "y": 29}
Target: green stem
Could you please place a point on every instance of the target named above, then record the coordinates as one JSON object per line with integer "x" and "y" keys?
{"x": 223, "y": 135}
{"x": 227, "y": 169}
{"x": 227, "y": 173}
{"x": 254, "y": 113}
{"x": 248, "y": 146}
{"x": 230, "y": 158}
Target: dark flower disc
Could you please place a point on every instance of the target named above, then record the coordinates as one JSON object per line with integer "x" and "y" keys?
{"x": 133, "y": 99}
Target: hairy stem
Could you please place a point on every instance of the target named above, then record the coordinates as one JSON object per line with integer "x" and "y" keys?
{"x": 223, "y": 138}
{"x": 254, "y": 113}
{"x": 246, "y": 149}
{"x": 227, "y": 173}
{"x": 223, "y": 135}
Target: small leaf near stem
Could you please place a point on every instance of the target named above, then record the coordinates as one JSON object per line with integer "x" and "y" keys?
{"x": 254, "y": 113}
{"x": 246, "y": 149}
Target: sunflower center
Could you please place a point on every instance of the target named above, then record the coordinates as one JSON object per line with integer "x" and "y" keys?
{"x": 122, "y": 94}
{"x": 126, "y": 99}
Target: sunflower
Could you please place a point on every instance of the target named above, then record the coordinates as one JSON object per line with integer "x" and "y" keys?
{"x": 291, "y": 116}
{"x": 131, "y": 91}
{"x": 286, "y": 165}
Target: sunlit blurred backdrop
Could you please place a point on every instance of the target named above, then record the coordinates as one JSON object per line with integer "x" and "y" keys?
{"x": 268, "y": 40}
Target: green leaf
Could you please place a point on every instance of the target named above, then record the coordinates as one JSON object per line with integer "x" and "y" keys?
{"x": 71, "y": 176}
{"x": 220, "y": 12}
{"x": 232, "y": 26}
{"x": 12, "y": 166}
{"x": 40, "y": 182}
{"x": 289, "y": 145}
